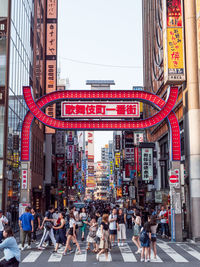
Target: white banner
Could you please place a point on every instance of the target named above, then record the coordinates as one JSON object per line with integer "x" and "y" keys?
{"x": 147, "y": 164}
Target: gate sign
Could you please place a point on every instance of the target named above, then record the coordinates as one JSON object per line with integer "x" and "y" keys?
{"x": 100, "y": 109}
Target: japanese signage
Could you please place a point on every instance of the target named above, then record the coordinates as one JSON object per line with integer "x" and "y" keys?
{"x": 117, "y": 160}
{"x": 36, "y": 111}
{"x": 60, "y": 142}
{"x": 173, "y": 42}
{"x": 147, "y": 164}
{"x": 117, "y": 142}
{"x": 119, "y": 192}
{"x": 132, "y": 191}
{"x": 90, "y": 182}
{"x": 51, "y": 55}
{"x": 125, "y": 191}
{"x": 129, "y": 154}
{"x": 103, "y": 110}
{"x": 24, "y": 179}
{"x": 138, "y": 138}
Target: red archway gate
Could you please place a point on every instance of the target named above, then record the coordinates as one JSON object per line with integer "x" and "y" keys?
{"x": 165, "y": 112}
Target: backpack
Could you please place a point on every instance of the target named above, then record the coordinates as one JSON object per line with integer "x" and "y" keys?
{"x": 143, "y": 236}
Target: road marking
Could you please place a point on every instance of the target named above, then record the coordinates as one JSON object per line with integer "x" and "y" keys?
{"x": 158, "y": 259}
{"x": 83, "y": 256}
{"x": 190, "y": 250}
{"x": 102, "y": 257}
{"x": 32, "y": 256}
{"x": 172, "y": 253}
{"x": 55, "y": 257}
{"x": 127, "y": 254}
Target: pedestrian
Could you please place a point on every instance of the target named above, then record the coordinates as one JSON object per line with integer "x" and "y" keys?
{"x": 11, "y": 249}
{"x": 163, "y": 221}
{"x": 145, "y": 242}
{"x": 83, "y": 218}
{"x": 153, "y": 230}
{"x": 61, "y": 231}
{"x": 26, "y": 226}
{"x": 113, "y": 226}
{"x": 129, "y": 214}
{"x": 36, "y": 224}
{"x": 91, "y": 238}
{"x": 121, "y": 227}
{"x": 104, "y": 242}
{"x": 72, "y": 235}
{"x": 3, "y": 222}
{"x": 98, "y": 234}
{"x": 136, "y": 232}
{"x": 48, "y": 224}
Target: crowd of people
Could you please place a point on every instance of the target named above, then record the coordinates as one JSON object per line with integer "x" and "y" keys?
{"x": 102, "y": 225}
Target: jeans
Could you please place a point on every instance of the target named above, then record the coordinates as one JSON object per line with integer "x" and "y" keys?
{"x": 1, "y": 236}
{"x": 24, "y": 234}
{"x": 163, "y": 228}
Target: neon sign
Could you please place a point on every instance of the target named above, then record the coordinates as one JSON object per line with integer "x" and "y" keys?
{"x": 36, "y": 111}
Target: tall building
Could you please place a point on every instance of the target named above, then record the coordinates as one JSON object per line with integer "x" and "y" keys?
{"x": 164, "y": 26}
{"x": 16, "y": 70}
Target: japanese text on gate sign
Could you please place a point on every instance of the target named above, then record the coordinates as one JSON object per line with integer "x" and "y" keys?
{"x": 71, "y": 109}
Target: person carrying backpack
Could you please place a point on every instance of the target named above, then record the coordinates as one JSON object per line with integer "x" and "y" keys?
{"x": 145, "y": 242}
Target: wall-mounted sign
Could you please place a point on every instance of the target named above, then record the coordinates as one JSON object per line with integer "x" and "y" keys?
{"x": 125, "y": 191}
{"x": 103, "y": 109}
{"x": 147, "y": 164}
{"x": 52, "y": 9}
{"x": 138, "y": 138}
{"x": 173, "y": 42}
{"x": 117, "y": 160}
{"x": 24, "y": 179}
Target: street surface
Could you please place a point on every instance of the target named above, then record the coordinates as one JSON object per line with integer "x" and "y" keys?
{"x": 178, "y": 254}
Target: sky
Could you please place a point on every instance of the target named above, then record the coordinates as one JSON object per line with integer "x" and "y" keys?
{"x": 100, "y": 40}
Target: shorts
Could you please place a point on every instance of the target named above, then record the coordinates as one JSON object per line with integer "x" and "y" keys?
{"x": 113, "y": 232}
{"x": 146, "y": 244}
{"x": 70, "y": 231}
{"x": 153, "y": 239}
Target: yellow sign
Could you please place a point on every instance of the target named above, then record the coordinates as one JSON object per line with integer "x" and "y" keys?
{"x": 117, "y": 160}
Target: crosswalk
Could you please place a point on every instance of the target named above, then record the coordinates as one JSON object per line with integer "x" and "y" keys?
{"x": 167, "y": 252}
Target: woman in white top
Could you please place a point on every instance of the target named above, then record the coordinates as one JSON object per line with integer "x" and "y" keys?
{"x": 136, "y": 232}
{"x": 72, "y": 234}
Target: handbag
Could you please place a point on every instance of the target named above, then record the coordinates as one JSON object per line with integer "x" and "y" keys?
{"x": 48, "y": 225}
{"x": 98, "y": 234}
{"x": 92, "y": 234}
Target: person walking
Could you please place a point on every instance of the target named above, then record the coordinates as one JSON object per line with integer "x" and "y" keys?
{"x": 113, "y": 226}
{"x": 153, "y": 230}
{"x": 136, "y": 232}
{"x": 48, "y": 224}
{"x": 163, "y": 221}
{"x": 91, "y": 238}
{"x": 104, "y": 242}
{"x": 3, "y": 222}
{"x": 11, "y": 250}
{"x": 61, "y": 232}
{"x": 121, "y": 228}
{"x": 72, "y": 235}
{"x": 145, "y": 242}
{"x": 83, "y": 218}
{"x": 36, "y": 224}
{"x": 129, "y": 215}
{"x": 26, "y": 226}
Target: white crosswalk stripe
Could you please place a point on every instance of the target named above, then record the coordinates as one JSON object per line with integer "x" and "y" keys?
{"x": 103, "y": 257}
{"x": 55, "y": 257}
{"x": 190, "y": 250}
{"x": 83, "y": 256}
{"x": 172, "y": 253}
{"x": 32, "y": 256}
{"x": 127, "y": 253}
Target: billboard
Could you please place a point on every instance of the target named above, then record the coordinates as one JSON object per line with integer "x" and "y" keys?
{"x": 147, "y": 164}
{"x": 103, "y": 110}
{"x": 51, "y": 56}
{"x": 173, "y": 42}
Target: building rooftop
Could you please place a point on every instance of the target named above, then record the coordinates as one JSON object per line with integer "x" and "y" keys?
{"x": 92, "y": 82}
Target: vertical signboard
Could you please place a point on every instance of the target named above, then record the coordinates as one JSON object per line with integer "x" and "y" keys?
{"x": 51, "y": 55}
{"x": 90, "y": 182}
{"x": 173, "y": 42}
{"x": 147, "y": 164}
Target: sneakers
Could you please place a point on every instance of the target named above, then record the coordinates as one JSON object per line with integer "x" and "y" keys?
{"x": 41, "y": 248}
{"x": 148, "y": 260}
{"x": 142, "y": 260}
{"x": 97, "y": 257}
{"x": 22, "y": 248}
{"x": 28, "y": 247}
{"x": 137, "y": 252}
{"x": 70, "y": 251}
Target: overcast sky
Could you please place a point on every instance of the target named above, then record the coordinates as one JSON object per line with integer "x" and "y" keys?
{"x": 103, "y": 32}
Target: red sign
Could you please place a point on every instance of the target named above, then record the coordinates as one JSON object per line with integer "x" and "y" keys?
{"x": 102, "y": 109}
{"x": 35, "y": 111}
{"x": 174, "y": 13}
{"x": 24, "y": 179}
{"x": 173, "y": 179}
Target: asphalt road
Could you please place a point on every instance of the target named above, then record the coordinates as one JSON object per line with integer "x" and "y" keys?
{"x": 178, "y": 254}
